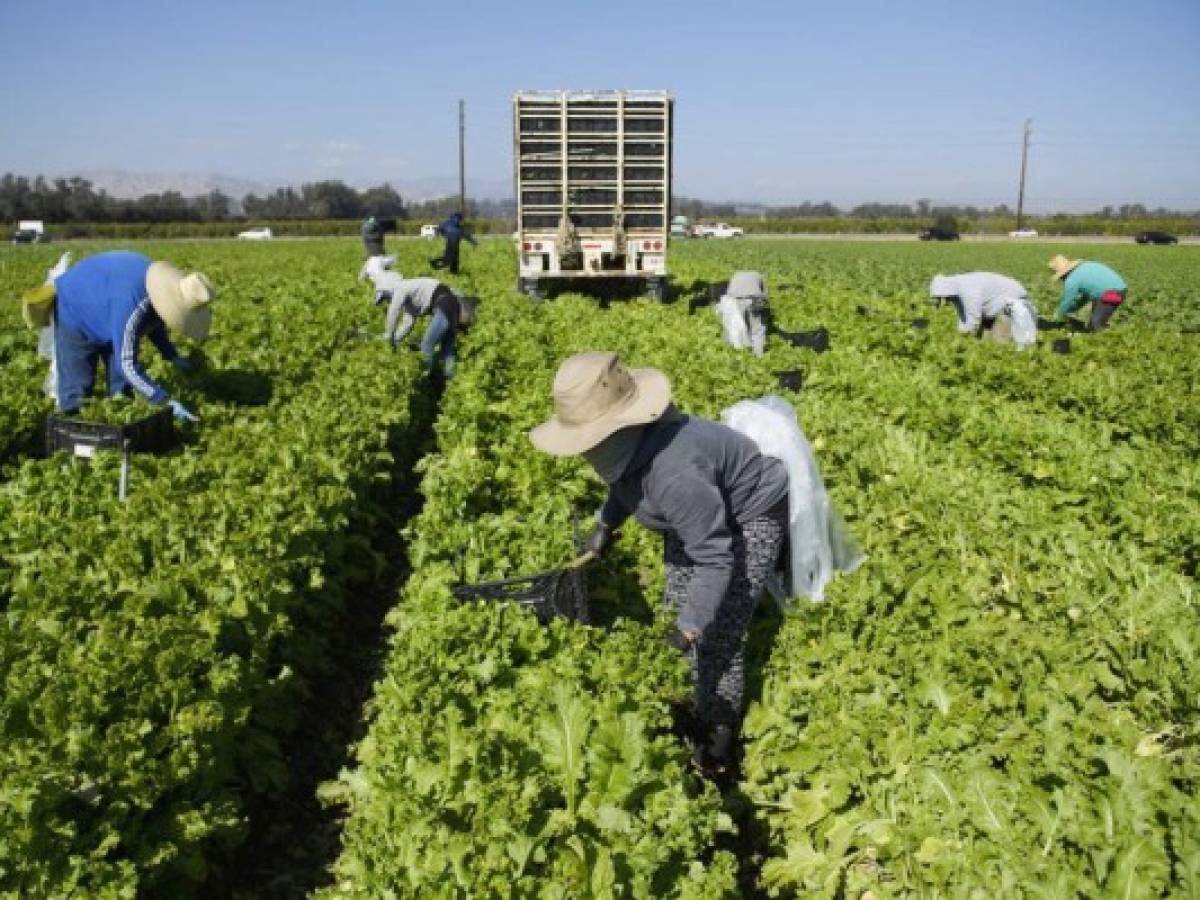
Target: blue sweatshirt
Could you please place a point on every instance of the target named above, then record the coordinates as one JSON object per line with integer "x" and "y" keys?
{"x": 453, "y": 230}
{"x": 104, "y": 299}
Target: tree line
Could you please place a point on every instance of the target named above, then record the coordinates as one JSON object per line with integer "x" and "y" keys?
{"x": 66, "y": 200}
{"x": 922, "y": 209}
{"x": 80, "y": 209}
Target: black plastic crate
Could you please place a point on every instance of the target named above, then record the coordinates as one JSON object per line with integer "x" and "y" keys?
{"x": 557, "y": 593}
{"x": 153, "y": 434}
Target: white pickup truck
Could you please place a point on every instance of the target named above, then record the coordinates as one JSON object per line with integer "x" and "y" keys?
{"x": 720, "y": 230}
{"x": 256, "y": 234}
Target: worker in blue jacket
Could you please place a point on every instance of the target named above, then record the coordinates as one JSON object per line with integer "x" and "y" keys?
{"x": 454, "y": 231}
{"x": 105, "y": 305}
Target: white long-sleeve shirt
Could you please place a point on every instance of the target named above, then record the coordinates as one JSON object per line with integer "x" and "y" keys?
{"x": 983, "y": 295}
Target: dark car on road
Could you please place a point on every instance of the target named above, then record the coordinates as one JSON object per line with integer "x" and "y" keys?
{"x": 1156, "y": 237}
{"x": 29, "y": 236}
{"x": 938, "y": 233}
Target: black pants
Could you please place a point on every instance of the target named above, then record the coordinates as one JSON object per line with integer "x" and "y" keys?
{"x": 450, "y": 256}
{"x": 717, "y": 660}
{"x": 1101, "y": 313}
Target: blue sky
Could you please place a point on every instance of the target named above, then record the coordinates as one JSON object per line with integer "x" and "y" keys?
{"x": 776, "y": 101}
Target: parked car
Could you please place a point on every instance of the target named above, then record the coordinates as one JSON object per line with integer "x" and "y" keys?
{"x": 28, "y": 236}
{"x": 1156, "y": 237}
{"x": 720, "y": 230}
{"x": 30, "y": 231}
{"x": 1023, "y": 233}
{"x": 256, "y": 234}
{"x": 429, "y": 232}
{"x": 938, "y": 233}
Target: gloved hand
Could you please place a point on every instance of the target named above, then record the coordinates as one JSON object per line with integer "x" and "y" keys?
{"x": 183, "y": 364}
{"x": 681, "y": 640}
{"x": 600, "y": 539}
{"x": 181, "y": 412}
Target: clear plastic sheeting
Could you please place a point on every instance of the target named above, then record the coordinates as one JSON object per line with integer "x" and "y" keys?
{"x": 732, "y": 313}
{"x": 743, "y": 322}
{"x": 46, "y": 351}
{"x": 820, "y": 544}
{"x": 46, "y": 335}
{"x": 1024, "y": 323}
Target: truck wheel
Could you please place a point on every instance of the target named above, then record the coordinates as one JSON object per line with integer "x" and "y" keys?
{"x": 529, "y": 287}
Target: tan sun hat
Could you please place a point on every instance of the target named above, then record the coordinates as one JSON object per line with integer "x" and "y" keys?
{"x": 181, "y": 301}
{"x": 1062, "y": 266}
{"x": 594, "y": 396}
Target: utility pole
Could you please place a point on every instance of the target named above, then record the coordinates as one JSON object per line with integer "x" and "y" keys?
{"x": 1024, "y": 161}
{"x": 462, "y": 165}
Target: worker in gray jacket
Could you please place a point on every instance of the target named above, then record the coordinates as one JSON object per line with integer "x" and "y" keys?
{"x": 721, "y": 506}
{"x": 448, "y": 311}
{"x": 990, "y": 305}
{"x": 750, "y": 290}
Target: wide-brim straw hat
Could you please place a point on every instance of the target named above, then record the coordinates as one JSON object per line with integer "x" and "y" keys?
{"x": 1062, "y": 266}
{"x": 181, "y": 301}
{"x": 595, "y": 396}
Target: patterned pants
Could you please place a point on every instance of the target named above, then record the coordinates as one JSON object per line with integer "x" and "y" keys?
{"x": 717, "y": 658}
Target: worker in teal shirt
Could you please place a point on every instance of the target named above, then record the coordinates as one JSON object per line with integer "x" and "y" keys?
{"x": 1088, "y": 282}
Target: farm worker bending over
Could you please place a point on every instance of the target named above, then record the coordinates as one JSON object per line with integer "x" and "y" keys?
{"x": 106, "y": 305}
{"x": 1088, "y": 282}
{"x": 372, "y": 236}
{"x": 379, "y": 270}
{"x": 721, "y": 506}
{"x": 989, "y": 304}
{"x": 454, "y": 231}
{"x": 750, "y": 291}
{"x": 412, "y": 297}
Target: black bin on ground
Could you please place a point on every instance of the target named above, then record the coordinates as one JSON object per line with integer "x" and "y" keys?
{"x": 154, "y": 433}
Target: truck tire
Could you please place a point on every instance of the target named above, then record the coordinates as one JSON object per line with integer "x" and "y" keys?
{"x": 529, "y": 287}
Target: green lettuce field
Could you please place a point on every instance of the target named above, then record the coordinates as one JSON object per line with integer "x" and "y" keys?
{"x": 1004, "y": 701}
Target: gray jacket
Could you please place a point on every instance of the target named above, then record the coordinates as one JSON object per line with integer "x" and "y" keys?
{"x": 697, "y": 478}
{"x": 748, "y": 286}
{"x": 411, "y": 297}
{"x": 983, "y": 295}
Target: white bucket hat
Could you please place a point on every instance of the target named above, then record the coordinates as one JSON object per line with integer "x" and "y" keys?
{"x": 943, "y": 286}
{"x": 181, "y": 301}
{"x": 594, "y": 396}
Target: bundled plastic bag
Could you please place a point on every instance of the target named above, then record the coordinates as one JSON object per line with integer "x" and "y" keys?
{"x": 1024, "y": 323}
{"x": 45, "y": 327}
{"x": 46, "y": 351}
{"x": 821, "y": 545}
{"x": 732, "y": 313}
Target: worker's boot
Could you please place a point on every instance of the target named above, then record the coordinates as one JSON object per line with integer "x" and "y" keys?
{"x": 713, "y": 751}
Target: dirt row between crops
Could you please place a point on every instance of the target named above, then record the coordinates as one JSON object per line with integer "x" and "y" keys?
{"x": 294, "y": 839}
